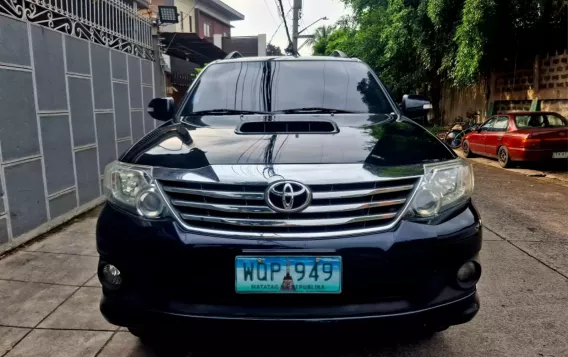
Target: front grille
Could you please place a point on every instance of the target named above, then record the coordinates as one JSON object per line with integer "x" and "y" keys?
{"x": 334, "y": 208}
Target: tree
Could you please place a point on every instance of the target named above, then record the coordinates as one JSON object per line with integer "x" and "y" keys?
{"x": 420, "y": 45}
{"x": 319, "y": 41}
{"x": 272, "y": 50}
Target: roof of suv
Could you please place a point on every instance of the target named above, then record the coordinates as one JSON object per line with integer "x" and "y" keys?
{"x": 287, "y": 58}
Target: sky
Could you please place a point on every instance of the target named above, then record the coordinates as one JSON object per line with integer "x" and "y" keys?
{"x": 262, "y": 16}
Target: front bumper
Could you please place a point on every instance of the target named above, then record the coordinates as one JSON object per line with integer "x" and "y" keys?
{"x": 124, "y": 312}
{"x": 173, "y": 277}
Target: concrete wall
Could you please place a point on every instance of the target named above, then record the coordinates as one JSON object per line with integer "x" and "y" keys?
{"x": 458, "y": 103}
{"x": 248, "y": 46}
{"x": 68, "y": 107}
{"x": 542, "y": 83}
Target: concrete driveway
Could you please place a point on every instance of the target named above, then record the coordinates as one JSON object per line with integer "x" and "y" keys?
{"x": 557, "y": 171}
{"x": 49, "y": 293}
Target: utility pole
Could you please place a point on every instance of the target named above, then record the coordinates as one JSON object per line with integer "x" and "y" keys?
{"x": 295, "y": 23}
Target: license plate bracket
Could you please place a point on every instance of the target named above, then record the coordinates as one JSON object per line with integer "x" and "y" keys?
{"x": 288, "y": 274}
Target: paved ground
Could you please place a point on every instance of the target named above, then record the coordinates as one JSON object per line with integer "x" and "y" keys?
{"x": 556, "y": 170}
{"x": 49, "y": 293}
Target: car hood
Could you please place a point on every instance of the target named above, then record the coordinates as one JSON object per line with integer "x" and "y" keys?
{"x": 199, "y": 141}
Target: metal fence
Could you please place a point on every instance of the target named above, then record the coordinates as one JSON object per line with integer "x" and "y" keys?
{"x": 112, "y": 23}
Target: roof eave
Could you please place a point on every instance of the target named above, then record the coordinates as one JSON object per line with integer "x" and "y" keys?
{"x": 143, "y": 4}
{"x": 231, "y": 13}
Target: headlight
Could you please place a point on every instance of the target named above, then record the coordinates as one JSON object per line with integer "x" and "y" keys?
{"x": 132, "y": 188}
{"x": 149, "y": 203}
{"x": 444, "y": 185}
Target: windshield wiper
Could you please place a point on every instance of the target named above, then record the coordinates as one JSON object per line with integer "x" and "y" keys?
{"x": 226, "y": 111}
{"x": 314, "y": 110}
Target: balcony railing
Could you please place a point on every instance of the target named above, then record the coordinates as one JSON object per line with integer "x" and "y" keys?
{"x": 112, "y": 23}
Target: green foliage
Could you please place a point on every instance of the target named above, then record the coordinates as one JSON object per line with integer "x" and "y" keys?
{"x": 471, "y": 38}
{"x": 272, "y": 50}
{"x": 320, "y": 39}
{"x": 198, "y": 70}
{"x": 416, "y": 45}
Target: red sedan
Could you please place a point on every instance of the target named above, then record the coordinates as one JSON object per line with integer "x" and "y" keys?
{"x": 520, "y": 136}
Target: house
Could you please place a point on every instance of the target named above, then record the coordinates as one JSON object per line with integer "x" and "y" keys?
{"x": 205, "y": 18}
{"x": 202, "y": 35}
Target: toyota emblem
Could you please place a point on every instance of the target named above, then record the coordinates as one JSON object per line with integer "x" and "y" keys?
{"x": 288, "y": 196}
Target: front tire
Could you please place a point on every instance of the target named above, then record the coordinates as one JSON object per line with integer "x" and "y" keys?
{"x": 467, "y": 150}
{"x": 503, "y": 157}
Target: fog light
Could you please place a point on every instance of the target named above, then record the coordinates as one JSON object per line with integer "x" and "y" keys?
{"x": 149, "y": 203}
{"x": 468, "y": 274}
{"x": 111, "y": 275}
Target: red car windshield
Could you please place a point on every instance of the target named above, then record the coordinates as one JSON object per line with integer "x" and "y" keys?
{"x": 540, "y": 121}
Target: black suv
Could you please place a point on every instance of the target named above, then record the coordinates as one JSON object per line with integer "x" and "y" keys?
{"x": 285, "y": 190}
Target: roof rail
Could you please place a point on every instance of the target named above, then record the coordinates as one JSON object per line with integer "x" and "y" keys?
{"x": 234, "y": 54}
{"x": 338, "y": 53}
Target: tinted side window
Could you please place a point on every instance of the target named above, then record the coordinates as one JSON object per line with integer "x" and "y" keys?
{"x": 488, "y": 125}
{"x": 501, "y": 124}
{"x": 522, "y": 121}
{"x": 540, "y": 121}
{"x": 555, "y": 121}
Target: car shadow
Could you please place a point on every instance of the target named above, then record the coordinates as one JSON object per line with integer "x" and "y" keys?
{"x": 559, "y": 166}
{"x": 289, "y": 343}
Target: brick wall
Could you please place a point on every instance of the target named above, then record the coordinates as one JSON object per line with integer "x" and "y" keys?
{"x": 553, "y": 76}
{"x": 555, "y": 105}
{"x": 543, "y": 81}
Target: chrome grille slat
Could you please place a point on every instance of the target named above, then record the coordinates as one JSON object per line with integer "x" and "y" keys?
{"x": 260, "y": 195}
{"x": 286, "y": 222}
{"x": 217, "y": 194}
{"x": 360, "y": 193}
{"x": 226, "y": 207}
{"x": 266, "y": 210}
{"x": 223, "y": 208}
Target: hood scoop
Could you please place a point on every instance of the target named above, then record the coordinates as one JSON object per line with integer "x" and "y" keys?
{"x": 288, "y": 127}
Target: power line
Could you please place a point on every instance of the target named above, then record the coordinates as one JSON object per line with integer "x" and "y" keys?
{"x": 278, "y": 28}
{"x": 174, "y": 36}
{"x": 270, "y": 12}
{"x": 302, "y": 23}
{"x": 274, "y": 34}
{"x": 285, "y": 24}
{"x": 291, "y": 8}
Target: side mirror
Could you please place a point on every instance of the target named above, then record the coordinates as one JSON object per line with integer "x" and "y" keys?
{"x": 162, "y": 108}
{"x": 415, "y": 106}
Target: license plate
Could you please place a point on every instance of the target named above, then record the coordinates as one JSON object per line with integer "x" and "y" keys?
{"x": 560, "y": 155}
{"x": 288, "y": 275}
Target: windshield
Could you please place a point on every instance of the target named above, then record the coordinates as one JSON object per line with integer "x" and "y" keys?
{"x": 284, "y": 86}
{"x": 548, "y": 120}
